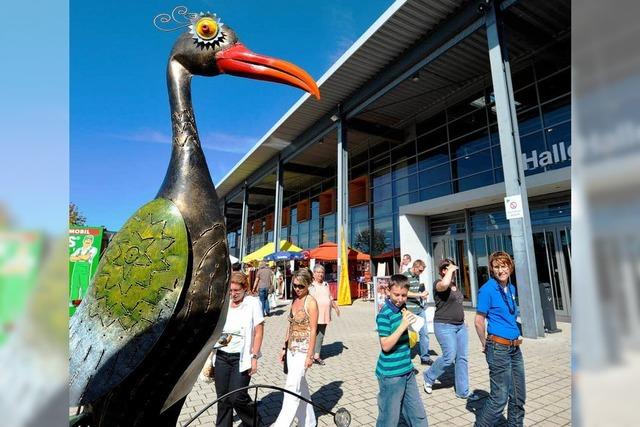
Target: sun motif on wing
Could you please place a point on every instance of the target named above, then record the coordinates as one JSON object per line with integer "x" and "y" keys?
{"x": 206, "y": 30}
{"x": 143, "y": 266}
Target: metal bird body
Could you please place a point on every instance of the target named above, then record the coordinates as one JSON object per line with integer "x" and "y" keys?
{"x": 141, "y": 335}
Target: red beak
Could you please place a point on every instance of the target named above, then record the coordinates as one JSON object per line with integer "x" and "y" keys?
{"x": 240, "y": 61}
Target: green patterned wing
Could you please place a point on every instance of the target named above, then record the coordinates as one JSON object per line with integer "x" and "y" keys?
{"x": 132, "y": 297}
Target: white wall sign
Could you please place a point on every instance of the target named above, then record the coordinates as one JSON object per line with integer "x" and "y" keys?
{"x": 513, "y": 206}
{"x": 382, "y": 269}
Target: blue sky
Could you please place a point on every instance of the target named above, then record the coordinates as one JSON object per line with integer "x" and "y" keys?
{"x": 119, "y": 114}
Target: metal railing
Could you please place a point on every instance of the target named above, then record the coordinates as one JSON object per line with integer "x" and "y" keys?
{"x": 341, "y": 417}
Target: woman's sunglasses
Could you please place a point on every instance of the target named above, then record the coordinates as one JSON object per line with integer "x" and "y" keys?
{"x": 299, "y": 286}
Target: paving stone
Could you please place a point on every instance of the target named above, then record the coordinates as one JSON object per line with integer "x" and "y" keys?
{"x": 348, "y": 379}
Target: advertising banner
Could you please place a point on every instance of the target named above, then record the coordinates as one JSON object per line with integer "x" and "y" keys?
{"x": 84, "y": 254}
{"x": 19, "y": 256}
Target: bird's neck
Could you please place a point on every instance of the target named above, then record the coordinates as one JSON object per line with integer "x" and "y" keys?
{"x": 187, "y": 179}
{"x": 183, "y": 122}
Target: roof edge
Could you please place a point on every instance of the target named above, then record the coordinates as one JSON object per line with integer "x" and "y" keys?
{"x": 382, "y": 19}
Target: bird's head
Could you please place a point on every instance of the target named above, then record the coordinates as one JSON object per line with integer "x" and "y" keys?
{"x": 210, "y": 48}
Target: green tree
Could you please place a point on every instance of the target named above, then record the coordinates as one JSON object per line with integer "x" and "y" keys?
{"x": 376, "y": 245}
{"x": 76, "y": 219}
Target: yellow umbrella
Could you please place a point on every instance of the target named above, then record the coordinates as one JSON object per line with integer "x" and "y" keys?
{"x": 267, "y": 249}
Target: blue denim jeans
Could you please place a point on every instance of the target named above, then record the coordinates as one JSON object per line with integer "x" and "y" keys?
{"x": 506, "y": 373}
{"x": 454, "y": 341}
{"x": 424, "y": 339}
{"x": 263, "y": 293}
{"x": 400, "y": 395}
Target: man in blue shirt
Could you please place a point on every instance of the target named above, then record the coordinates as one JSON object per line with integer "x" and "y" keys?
{"x": 501, "y": 345}
{"x": 396, "y": 379}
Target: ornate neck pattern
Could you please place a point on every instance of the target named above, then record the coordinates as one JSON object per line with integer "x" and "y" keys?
{"x": 184, "y": 128}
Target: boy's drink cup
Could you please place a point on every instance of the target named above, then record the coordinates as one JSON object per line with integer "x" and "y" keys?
{"x": 418, "y": 324}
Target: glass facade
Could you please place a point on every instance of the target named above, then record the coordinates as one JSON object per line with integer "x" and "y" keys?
{"x": 489, "y": 231}
{"x": 454, "y": 150}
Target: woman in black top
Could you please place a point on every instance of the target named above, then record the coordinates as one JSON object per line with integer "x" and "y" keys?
{"x": 450, "y": 331}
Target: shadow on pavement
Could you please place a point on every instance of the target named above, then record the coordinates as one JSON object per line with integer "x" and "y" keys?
{"x": 326, "y": 396}
{"x": 333, "y": 349}
{"x": 447, "y": 379}
{"x": 475, "y": 406}
{"x": 269, "y": 407}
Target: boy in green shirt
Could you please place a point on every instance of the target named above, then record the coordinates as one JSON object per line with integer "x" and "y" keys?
{"x": 396, "y": 379}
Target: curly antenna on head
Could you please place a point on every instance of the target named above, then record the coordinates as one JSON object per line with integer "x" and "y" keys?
{"x": 179, "y": 15}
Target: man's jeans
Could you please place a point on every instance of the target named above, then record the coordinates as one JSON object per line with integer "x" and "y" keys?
{"x": 506, "y": 372}
{"x": 455, "y": 347}
{"x": 400, "y": 394}
{"x": 263, "y": 293}
{"x": 424, "y": 339}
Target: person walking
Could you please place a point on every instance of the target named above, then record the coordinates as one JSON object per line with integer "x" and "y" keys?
{"x": 405, "y": 264}
{"x": 451, "y": 332}
{"x": 261, "y": 285}
{"x": 496, "y": 314}
{"x": 416, "y": 302}
{"x": 298, "y": 350}
{"x": 320, "y": 291}
{"x": 278, "y": 283}
{"x": 398, "y": 390}
{"x": 237, "y": 353}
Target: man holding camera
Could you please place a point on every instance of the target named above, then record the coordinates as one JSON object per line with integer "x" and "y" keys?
{"x": 416, "y": 301}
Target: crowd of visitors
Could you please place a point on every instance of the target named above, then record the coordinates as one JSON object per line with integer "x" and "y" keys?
{"x": 238, "y": 350}
{"x": 495, "y": 324}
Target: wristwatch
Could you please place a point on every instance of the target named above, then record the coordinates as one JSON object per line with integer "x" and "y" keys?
{"x": 256, "y": 356}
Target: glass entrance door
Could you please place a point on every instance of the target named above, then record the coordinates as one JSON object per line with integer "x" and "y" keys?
{"x": 455, "y": 249}
{"x": 552, "y": 246}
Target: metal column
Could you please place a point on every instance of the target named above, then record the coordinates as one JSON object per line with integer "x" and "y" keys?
{"x": 243, "y": 225}
{"x": 429, "y": 270}
{"x": 473, "y": 268}
{"x": 277, "y": 214}
{"x": 223, "y": 210}
{"x": 342, "y": 216}
{"x": 521, "y": 235}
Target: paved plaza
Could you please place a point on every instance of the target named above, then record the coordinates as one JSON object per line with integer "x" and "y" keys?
{"x": 347, "y": 380}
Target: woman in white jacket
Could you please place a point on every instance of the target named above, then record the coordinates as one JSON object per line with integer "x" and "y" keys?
{"x": 238, "y": 351}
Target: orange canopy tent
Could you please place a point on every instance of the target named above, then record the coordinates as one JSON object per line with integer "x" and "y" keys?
{"x": 328, "y": 251}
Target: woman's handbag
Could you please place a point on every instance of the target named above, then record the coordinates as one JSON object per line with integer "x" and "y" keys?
{"x": 273, "y": 301}
{"x": 285, "y": 368}
{"x": 207, "y": 373}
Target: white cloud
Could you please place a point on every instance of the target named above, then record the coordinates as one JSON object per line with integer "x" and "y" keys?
{"x": 343, "y": 44}
{"x": 227, "y": 143}
{"x": 343, "y": 26}
{"x": 211, "y": 141}
{"x": 143, "y": 135}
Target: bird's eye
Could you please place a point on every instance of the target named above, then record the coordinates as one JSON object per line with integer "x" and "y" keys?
{"x": 207, "y": 28}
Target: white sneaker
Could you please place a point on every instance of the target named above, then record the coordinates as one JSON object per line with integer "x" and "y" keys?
{"x": 428, "y": 388}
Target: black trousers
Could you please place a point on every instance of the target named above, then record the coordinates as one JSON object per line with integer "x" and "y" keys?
{"x": 227, "y": 378}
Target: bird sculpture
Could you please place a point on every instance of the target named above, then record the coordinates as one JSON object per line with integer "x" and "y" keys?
{"x": 158, "y": 299}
